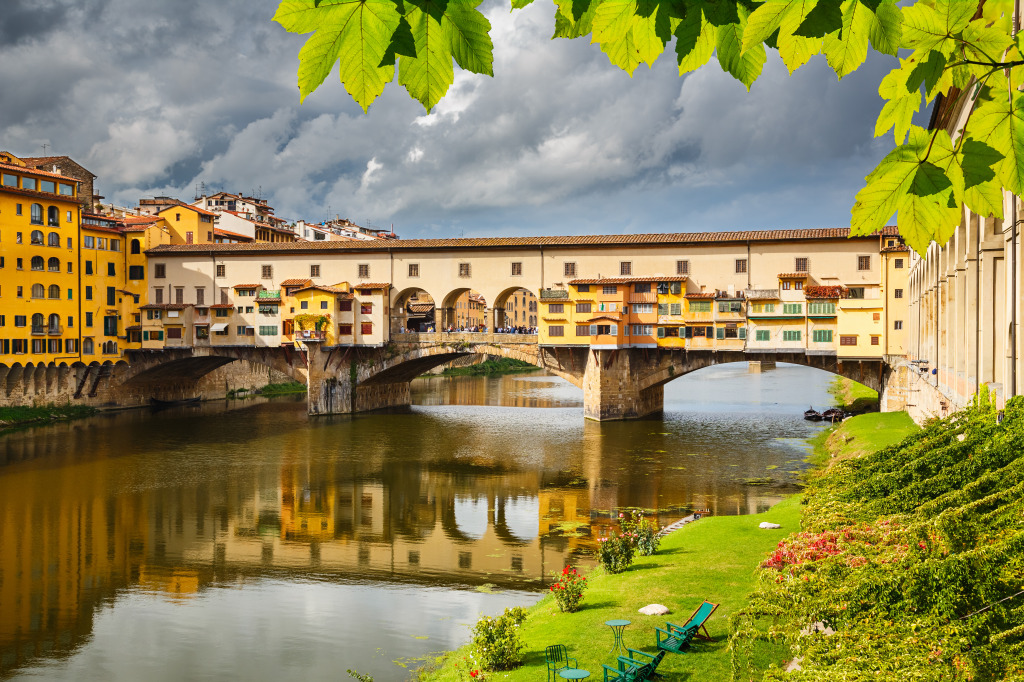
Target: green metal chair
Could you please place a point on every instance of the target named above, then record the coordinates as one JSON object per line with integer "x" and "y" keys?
{"x": 676, "y": 640}
{"x": 651, "y": 660}
{"x": 557, "y": 658}
{"x": 698, "y": 618}
{"x": 629, "y": 670}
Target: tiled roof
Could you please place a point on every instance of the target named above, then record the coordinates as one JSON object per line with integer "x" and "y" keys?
{"x": 701, "y": 295}
{"x": 178, "y": 202}
{"x": 372, "y": 285}
{"x": 165, "y": 306}
{"x": 100, "y": 228}
{"x": 223, "y": 306}
{"x": 761, "y": 294}
{"x": 141, "y": 219}
{"x": 899, "y": 248}
{"x": 419, "y": 307}
{"x": 245, "y": 286}
{"x": 554, "y": 295}
{"x": 679, "y": 238}
{"x": 605, "y": 316}
{"x": 133, "y": 328}
{"x": 629, "y": 280}
{"x": 35, "y": 171}
{"x": 296, "y": 282}
{"x": 793, "y": 275}
{"x": 136, "y": 228}
{"x": 321, "y": 287}
{"x": 269, "y": 299}
{"x": 229, "y": 233}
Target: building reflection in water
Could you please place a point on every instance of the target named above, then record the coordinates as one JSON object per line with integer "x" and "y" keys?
{"x": 175, "y": 502}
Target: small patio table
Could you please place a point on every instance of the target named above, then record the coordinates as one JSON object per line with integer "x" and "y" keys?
{"x": 617, "y": 627}
{"x": 574, "y": 674}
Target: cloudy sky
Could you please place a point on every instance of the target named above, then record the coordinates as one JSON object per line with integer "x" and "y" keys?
{"x": 158, "y": 97}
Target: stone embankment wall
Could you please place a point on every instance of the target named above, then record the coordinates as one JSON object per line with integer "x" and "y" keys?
{"x": 917, "y": 393}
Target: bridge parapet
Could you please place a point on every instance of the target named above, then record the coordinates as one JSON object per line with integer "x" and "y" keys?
{"x": 486, "y": 338}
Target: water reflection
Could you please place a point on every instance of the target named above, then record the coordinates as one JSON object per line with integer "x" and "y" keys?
{"x": 103, "y": 517}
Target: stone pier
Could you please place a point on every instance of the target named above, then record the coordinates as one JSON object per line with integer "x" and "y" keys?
{"x": 612, "y": 387}
{"x": 758, "y": 366}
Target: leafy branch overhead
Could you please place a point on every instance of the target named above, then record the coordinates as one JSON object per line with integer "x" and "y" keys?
{"x": 961, "y": 50}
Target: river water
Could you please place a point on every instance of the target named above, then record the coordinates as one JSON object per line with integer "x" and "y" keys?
{"x": 243, "y": 540}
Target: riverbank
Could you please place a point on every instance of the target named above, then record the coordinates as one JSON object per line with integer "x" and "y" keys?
{"x": 11, "y": 417}
{"x": 713, "y": 558}
{"x": 287, "y": 388}
{"x": 852, "y": 396}
{"x": 489, "y": 367}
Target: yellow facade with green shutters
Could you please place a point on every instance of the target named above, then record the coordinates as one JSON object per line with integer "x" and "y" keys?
{"x": 40, "y": 216}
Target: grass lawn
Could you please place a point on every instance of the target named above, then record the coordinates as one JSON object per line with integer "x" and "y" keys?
{"x": 712, "y": 559}
{"x": 853, "y": 397}
{"x": 22, "y": 414}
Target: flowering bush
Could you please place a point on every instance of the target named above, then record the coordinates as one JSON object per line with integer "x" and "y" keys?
{"x": 496, "y": 640}
{"x": 641, "y": 533}
{"x": 615, "y": 553}
{"x": 568, "y": 589}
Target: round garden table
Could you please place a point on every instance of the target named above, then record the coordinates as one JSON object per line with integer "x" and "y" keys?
{"x": 617, "y": 627}
{"x": 573, "y": 673}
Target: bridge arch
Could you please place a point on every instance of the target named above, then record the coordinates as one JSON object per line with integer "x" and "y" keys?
{"x": 450, "y": 315}
{"x": 419, "y": 317}
{"x": 191, "y": 365}
{"x": 524, "y": 301}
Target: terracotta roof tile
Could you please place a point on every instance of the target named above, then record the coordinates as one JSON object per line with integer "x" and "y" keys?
{"x": 372, "y": 285}
{"x": 629, "y": 280}
{"x": 321, "y": 287}
{"x": 793, "y": 275}
{"x": 892, "y": 249}
{"x": 419, "y": 307}
{"x": 245, "y": 286}
{"x": 35, "y": 171}
{"x": 165, "y": 306}
{"x": 701, "y": 295}
{"x": 666, "y": 239}
{"x": 141, "y": 219}
{"x": 295, "y": 282}
{"x": 223, "y": 306}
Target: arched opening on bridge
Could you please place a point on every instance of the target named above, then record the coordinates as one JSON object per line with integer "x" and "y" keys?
{"x": 516, "y": 309}
{"x": 413, "y": 310}
{"x": 463, "y": 310}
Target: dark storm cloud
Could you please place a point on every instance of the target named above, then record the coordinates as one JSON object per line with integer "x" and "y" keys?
{"x": 157, "y": 97}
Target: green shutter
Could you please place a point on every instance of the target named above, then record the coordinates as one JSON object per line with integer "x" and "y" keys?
{"x": 661, "y": 332}
{"x": 145, "y": 336}
{"x": 676, "y": 308}
{"x": 663, "y": 308}
{"x": 743, "y": 332}
{"x": 721, "y": 332}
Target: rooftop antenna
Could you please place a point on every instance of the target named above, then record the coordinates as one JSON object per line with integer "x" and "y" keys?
{"x": 45, "y": 147}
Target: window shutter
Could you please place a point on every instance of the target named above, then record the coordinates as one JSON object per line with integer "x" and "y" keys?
{"x": 721, "y": 333}
{"x": 689, "y": 332}
{"x": 709, "y": 332}
{"x": 743, "y": 332}
{"x": 677, "y": 288}
{"x": 661, "y": 332}
{"x": 593, "y": 330}
{"x": 663, "y": 308}
{"x": 614, "y": 330}
{"x": 676, "y": 308}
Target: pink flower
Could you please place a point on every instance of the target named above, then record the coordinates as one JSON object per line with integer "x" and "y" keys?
{"x": 621, "y": 515}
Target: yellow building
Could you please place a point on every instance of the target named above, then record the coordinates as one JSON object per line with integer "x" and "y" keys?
{"x": 40, "y": 215}
{"x": 189, "y": 224}
{"x": 103, "y": 305}
{"x": 896, "y": 273}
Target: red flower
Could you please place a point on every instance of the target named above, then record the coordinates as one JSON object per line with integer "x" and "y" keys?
{"x": 474, "y": 673}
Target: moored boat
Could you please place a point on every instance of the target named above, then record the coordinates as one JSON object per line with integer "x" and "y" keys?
{"x": 811, "y": 415}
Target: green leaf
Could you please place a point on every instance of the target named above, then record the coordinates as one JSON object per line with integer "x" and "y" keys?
{"x": 765, "y": 20}
{"x": 520, "y": 4}
{"x": 574, "y": 18}
{"x": 429, "y": 74}
{"x": 886, "y": 30}
{"x": 1000, "y": 124}
{"x": 744, "y": 66}
{"x": 355, "y": 32}
{"x": 984, "y": 43}
{"x": 943, "y": 157}
{"x": 824, "y": 18}
{"x": 846, "y": 51}
{"x": 468, "y": 34}
{"x": 983, "y": 195}
{"x": 885, "y": 190}
{"x": 652, "y": 28}
{"x": 402, "y": 42}
{"x": 926, "y": 218}
{"x": 930, "y": 70}
{"x": 902, "y": 104}
{"x": 696, "y": 38}
{"x": 613, "y": 20}
{"x": 795, "y": 50}
{"x": 623, "y": 52}
{"x": 927, "y": 28}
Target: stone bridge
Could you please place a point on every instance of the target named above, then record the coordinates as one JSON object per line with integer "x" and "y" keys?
{"x": 625, "y": 383}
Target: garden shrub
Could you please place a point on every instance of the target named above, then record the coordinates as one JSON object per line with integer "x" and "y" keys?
{"x": 640, "y": 532}
{"x": 615, "y": 553}
{"x": 496, "y": 640}
{"x": 568, "y": 589}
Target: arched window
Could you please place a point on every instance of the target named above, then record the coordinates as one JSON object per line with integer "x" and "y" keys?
{"x": 53, "y": 264}
{"x": 38, "y": 291}
{"x": 53, "y": 239}
{"x": 38, "y": 321}
{"x": 37, "y": 262}
{"x": 54, "y": 291}
{"x": 53, "y": 216}
{"x": 110, "y": 347}
{"x": 87, "y": 347}
{"x": 54, "y": 323}
{"x": 136, "y": 246}
{"x": 37, "y": 237}
{"x": 36, "y": 217}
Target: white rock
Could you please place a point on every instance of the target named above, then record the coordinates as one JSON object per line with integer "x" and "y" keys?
{"x": 765, "y": 524}
{"x": 654, "y": 610}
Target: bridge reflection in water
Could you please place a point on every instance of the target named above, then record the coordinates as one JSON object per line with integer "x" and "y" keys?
{"x": 214, "y": 496}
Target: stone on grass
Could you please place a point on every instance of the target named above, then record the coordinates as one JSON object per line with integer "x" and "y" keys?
{"x": 765, "y": 524}
{"x": 654, "y": 610}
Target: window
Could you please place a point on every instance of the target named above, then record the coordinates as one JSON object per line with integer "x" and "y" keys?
{"x": 89, "y": 242}
{"x": 898, "y": 264}
{"x": 179, "y": 294}
{"x": 822, "y": 336}
{"x": 863, "y": 262}
{"x": 583, "y": 288}
{"x": 53, "y": 291}
{"x": 268, "y": 330}
{"x": 323, "y": 306}
{"x": 675, "y": 309}
{"x": 37, "y": 262}
{"x": 71, "y": 266}
{"x": 642, "y": 288}
{"x": 87, "y": 347}
{"x": 798, "y": 285}
{"x": 700, "y": 306}
{"x": 800, "y": 265}
{"x": 136, "y": 272}
{"x": 304, "y": 305}
{"x": 517, "y": 269}
{"x": 464, "y": 270}
{"x": 314, "y": 270}
{"x": 53, "y": 239}
{"x": 223, "y": 312}
{"x": 111, "y": 270}
{"x": 583, "y": 330}
{"x": 69, "y": 243}
{"x": 52, "y": 215}
{"x": 556, "y": 308}
{"x": 200, "y": 295}
{"x": 158, "y": 295}
{"x": 10, "y": 180}
{"x": 583, "y": 307}
{"x": 855, "y": 292}
{"x": 366, "y": 308}
{"x": 345, "y": 330}
{"x": 88, "y": 319}
{"x": 345, "y": 306}
{"x": 366, "y": 328}
{"x": 763, "y": 335}
{"x": 682, "y": 267}
{"x": 364, "y": 270}
{"x": 110, "y": 325}
{"x": 643, "y": 330}
{"x": 609, "y": 289}
{"x": 791, "y": 334}
{"x": 36, "y": 216}
{"x": 730, "y": 307}
{"x": 898, "y": 293}
{"x": 38, "y": 291}
{"x": 221, "y": 269}
{"x": 625, "y": 268}
{"x": 556, "y": 330}
{"x": 786, "y": 285}
{"x": 897, "y": 324}
{"x": 267, "y": 271}
{"x": 111, "y": 296}
{"x": 159, "y": 271}
{"x": 19, "y": 288}
{"x": 875, "y": 340}
{"x": 19, "y": 320}
{"x": 741, "y": 265}
{"x": 847, "y": 340}
{"x": 36, "y": 237}
{"x": 792, "y": 308}
{"x": 821, "y": 308}
{"x": 414, "y": 269}
{"x": 569, "y": 269}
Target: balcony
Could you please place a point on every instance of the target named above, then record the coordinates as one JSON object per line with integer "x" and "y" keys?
{"x": 650, "y": 297}
{"x": 54, "y": 330}
{"x": 310, "y": 335}
{"x": 38, "y": 330}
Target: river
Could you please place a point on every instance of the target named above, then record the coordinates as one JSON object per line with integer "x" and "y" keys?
{"x": 244, "y": 540}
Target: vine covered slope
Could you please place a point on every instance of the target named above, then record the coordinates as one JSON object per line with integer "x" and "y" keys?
{"x": 909, "y": 562}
